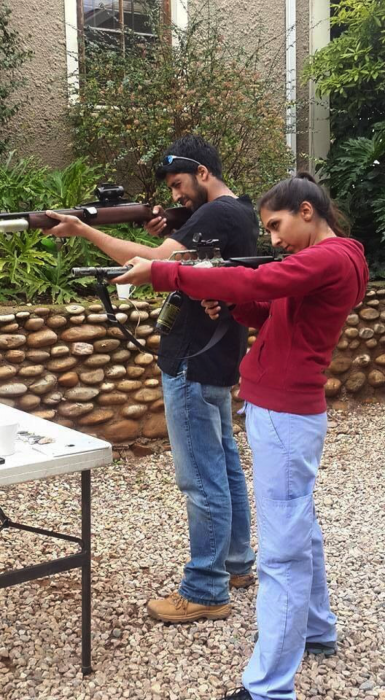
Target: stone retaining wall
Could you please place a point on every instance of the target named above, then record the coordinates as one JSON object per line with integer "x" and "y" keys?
{"x": 66, "y": 364}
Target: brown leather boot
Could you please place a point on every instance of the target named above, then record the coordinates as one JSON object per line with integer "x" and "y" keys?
{"x": 175, "y": 609}
{"x": 244, "y": 581}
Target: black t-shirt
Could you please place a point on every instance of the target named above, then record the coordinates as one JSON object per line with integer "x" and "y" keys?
{"x": 234, "y": 223}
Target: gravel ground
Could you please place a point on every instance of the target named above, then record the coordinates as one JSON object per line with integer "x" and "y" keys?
{"x": 140, "y": 544}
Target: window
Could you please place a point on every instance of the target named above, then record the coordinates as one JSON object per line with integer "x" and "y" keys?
{"x": 105, "y": 22}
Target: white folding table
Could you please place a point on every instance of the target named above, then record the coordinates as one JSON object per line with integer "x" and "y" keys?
{"x": 44, "y": 449}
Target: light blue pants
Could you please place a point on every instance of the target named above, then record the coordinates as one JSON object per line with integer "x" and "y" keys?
{"x": 293, "y": 601}
{"x": 209, "y": 473}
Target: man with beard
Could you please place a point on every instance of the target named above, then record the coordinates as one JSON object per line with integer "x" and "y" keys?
{"x": 197, "y": 390}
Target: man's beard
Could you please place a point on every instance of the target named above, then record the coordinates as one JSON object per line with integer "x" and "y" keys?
{"x": 199, "y": 197}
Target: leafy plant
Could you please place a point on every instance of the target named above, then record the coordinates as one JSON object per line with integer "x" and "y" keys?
{"x": 12, "y": 56}
{"x": 134, "y": 104}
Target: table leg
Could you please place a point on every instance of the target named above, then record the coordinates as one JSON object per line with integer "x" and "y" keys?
{"x": 86, "y": 573}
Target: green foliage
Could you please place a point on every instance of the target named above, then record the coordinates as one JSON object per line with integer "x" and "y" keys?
{"x": 134, "y": 104}
{"x": 12, "y": 57}
{"x": 351, "y": 70}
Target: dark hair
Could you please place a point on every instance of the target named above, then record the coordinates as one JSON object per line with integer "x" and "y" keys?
{"x": 195, "y": 147}
{"x": 302, "y": 187}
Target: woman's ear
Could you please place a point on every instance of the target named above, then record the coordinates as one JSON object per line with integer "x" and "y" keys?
{"x": 307, "y": 211}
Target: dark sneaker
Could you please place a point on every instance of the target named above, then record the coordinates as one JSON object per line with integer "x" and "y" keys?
{"x": 177, "y": 609}
{"x": 327, "y": 648}
{"x": 238, "y": 694}
{"x": 241, "y": 581}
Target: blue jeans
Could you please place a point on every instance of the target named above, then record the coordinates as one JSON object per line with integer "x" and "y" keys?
{"x": 209, "y": 473}
{"x": 293, "y": 601}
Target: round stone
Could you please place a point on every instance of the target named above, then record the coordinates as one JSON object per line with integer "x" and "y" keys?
{"x": 121, "y": 431}
{"x": 380, "y": 360}
{"x": 153, "y": 341}
{"x": 101, "y": 415}
{"x": 42, "y": 311}
{"x": 97, "y": 318}
{"x": 354, "y": 344}
{"x": 48, "y": 414}
{"x": 122, "y": 318}
{"x": 382, "y": 340}
{"x": 155, "y": 427}
{"x": 353, "y": 320}
{"x": 82, "y": 349}
{"x": 60, "y": 351}
{"x": 366, "y": 333}
{"x": 10, "y": 342}
{"x": 77, "y": 320}
{"x": 7, "y": 372}
{"x": 362, "y": 360}
{"x": 370, "y": 294}
{"x": 81, "y": 393}
{"x": 15, "y": 356}
{"x": 42, "y": 338}
{"x": 342, "y": 345}
{"x": 95, "y": 307}
{"x": 157, "y": 406}
{"x": 144, "y": 359}
{"x": 94, "y": 377}
{"x": 44, "y": 385}
{"x": 116, "y": 372}
{"x": 7, "y": 318}
{"x": 97, "y": 361}
{"x": 376, "y": 378}
{"x": 136, "y": 316}
{"x": 372, "y": 343}
{"x": 382, "y": 315}
{"x": 379, "y": 328}
{"x": 107, "y": 386}
{"x": 144, "y": 331}
{"x": 28, "y": 402}
{"x": 135, "y": 372}
{"x": 34, "y": 324}
{"x": 52, "y": 399}
{"x": 369, "y": 314}
{"x": 147, "y": 395}
{"x": 23, "y": 314}
{"x": 123, "y": 355}
{"x": 134, "y": 411}
{"x": 31, "y": 371}
{"x": 83, "y": 333}
{"x": 129, "y": 385}
{"x": 141, "y": 305}
{"x": 151, "y": 383}
{"x": 75, "y": 309}
{"x": 115, "y": 333}
{"x": 340, "y": 364}
{"x": 351, "y": 332}
{"x": 37, "y": 355}
{"x": 13, "y": 389}
{"x": 373, "y": 303}
{"x": 155, "y": 313}
{"x": 112, "y": 398}
{"x": 62, "y": 364}
{"x": 355, "y": 382}
{"x": 131, "y": 345}
{"x": 7, "y": 402}
{"x": 74, "y": 410}
{"x": 107, "y": 345}
{"x": 10, "y": 328}
{"x": 66, "y": 422}
{"x": 68, "y": 379}
{"x": 56, "y": 321}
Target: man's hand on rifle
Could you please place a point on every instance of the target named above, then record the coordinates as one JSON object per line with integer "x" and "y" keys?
{"x": 156, "y": 226}
{"x": 212, "y": 308}
{"x": 139, "y": 274}
{"x": 69, "y": 225}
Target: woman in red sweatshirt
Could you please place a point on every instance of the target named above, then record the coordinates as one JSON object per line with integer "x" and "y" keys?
{"x": 299, "y": 306}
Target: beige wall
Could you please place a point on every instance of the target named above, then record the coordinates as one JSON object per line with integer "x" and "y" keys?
{"x": 39, "y": 128}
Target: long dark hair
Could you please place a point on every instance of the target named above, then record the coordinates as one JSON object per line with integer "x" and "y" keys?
{"x": 302, "y": 187}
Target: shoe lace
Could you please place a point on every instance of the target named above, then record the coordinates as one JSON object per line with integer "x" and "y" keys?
{"x": 178, "y": 601}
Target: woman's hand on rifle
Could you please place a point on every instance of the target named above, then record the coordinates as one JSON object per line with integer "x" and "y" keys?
{"x": 140, "y": 272}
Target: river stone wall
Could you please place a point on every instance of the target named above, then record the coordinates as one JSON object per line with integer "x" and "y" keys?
{"x": 66, "y": 364}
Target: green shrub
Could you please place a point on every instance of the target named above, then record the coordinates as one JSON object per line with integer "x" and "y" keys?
{"x": 134, "y": 105}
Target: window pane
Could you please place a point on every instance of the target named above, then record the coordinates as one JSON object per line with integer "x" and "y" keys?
{"x": 136, "y": 15}
{"x": 101, "y": 15}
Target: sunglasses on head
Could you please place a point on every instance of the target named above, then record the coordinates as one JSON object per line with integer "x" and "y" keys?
{"x": 167, "y": 160}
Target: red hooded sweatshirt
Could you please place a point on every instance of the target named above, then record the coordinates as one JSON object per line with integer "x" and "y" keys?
{"x": 299, "y": 306}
